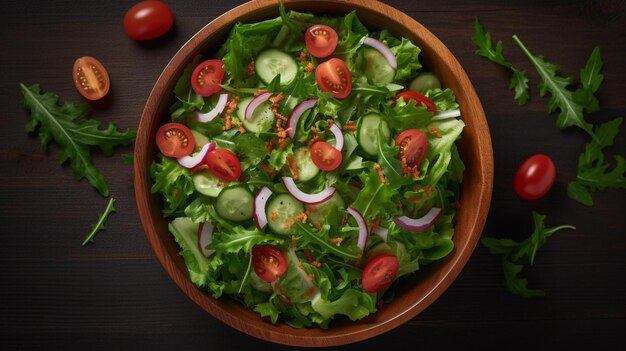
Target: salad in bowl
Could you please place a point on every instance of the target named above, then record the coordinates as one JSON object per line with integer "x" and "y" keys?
{"x": 308, "y": 166}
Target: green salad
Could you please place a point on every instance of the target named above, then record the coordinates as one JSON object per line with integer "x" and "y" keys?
{"x": 309, "y": 166}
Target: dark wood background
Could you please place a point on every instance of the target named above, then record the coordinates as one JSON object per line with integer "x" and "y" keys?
{"x": 114, "y": 295}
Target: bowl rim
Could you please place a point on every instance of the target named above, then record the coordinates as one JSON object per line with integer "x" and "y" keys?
{"x": 282, "y": 334}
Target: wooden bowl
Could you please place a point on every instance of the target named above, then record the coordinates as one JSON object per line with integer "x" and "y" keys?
{"x": 428, "y": 283}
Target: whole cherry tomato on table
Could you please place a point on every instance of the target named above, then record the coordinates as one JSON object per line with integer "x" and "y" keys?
{"x": 148, "y": 20}
{"x": 535, "y": 177}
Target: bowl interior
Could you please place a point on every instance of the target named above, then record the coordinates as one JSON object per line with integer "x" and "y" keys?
{"x": 427, "y": 284}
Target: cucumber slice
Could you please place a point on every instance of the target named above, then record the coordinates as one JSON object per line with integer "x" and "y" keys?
{"x": 206, "y": 183}
{"x": 281, "y": 210}
{"x": 424, "y": 82}
{"x": 326, "y": 212}
{"x": 200, "y": 139}
{"x": 262, "y": 118}
{"x": 235, "y": 204}
{"x": 307, "y": 170}
{"x": 272, "y": 62}
{"x": 367, "y": 132}
{"x": 376, "y": 66}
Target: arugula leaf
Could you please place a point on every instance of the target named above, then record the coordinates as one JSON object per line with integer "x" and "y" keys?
{"x": 482, "y": 39}
{"x": 187, "y": 100}
{"x": 513, "y": 252}
{"x": 74, "y": 135}
{"x": 561, "y": 98}
{"x": 594, "y": 173}
{"x": 241, "y": 239}
{"x": 376, "y": 198}
{"x": 99, "y": 225}
{"x": 174, "y": 182}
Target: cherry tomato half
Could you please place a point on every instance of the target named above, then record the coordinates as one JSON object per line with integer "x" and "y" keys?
{"x": 320, "y": 40}
{"x": 420, "y": 99}
{"x": 379, "y": 273}
{"x": 268, "y": 262}
{"x": 148, "y": 20}
{"x": 325, "y": 156}
{"x": 535, "y": 177}
{"x": 334, "y": 77}
{"x": 175, "y": 140}
{"x": 91, "y": 78}
{"x": 207, "y": 77}
{"x": 413, "y": 145}
{"x": 223, "y": 164}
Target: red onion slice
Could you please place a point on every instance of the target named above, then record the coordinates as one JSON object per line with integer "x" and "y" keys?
{"x": 193, "y": 161}
{"x": 216, "y": 111}
{"x": 311, "y": 199}
{"x": 260, "y": 218}
{"x": 254, "y": 103}
{"x": 419, "y": 224}
{"x": 382, "y": 232}
{"x": 363, "y": 230}
{"x": 295, "y": 114}
{"x": 205, "y": 236}
{"x": 384, "y": 50}
{"x": 338, "y": 136}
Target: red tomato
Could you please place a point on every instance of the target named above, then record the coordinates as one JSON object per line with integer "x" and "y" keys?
{"x": 413, "y": 145}
{"x": 419, "y": 99}
{"x": 175, "y": 140}
{"x": 268, "y": 262}
{"x": 207, "y": 77}
{"x": 334, "y": 77}
{"x": 91, "y": 78}
{"x": 325, "y": 156}
{"x": 535, "y": 177}
{"x": 223, "y": 164}
{"x": 379, "y": 273}
{"x": 320, "y": 40}
{"x": 148, "y": 20}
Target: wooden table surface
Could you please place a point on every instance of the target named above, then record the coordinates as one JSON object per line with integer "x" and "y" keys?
{"x": 114, "y": 295}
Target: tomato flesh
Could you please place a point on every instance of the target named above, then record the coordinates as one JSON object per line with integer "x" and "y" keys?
{"x": 413, "y": 144}
{"x": 148, "y": 20}
{"x": 268, "y": 262}
{"x": 325, "y": 156}
{"x": 334, "y": 77}
{"x": 379, "y": 273}
{"x": 320, "y": 40}
{"x": 207, "y": 77}
{"x": 224, "y": 164}
{"x": 175, "y": 140}
{"x": 535, "y": 177}
{"x": 420, "y": 99}
{"x": 91, "y": 78}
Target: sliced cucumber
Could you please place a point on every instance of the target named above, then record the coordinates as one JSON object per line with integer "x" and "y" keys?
{"x": 326, "y": 212}
{"x": 206, "y": 183}
{"x": 424, "y": 82}
{"x": 306, "y": 168}
{"x": 235, "y": 204}
{"x": 367, "y": 132}
{"x": 262, "y": 118}
{"x": 376, "y": 66}
{"x": 272, "y": 62}
{"x": 200, "y": 139}
{"x": 281, "y": 211}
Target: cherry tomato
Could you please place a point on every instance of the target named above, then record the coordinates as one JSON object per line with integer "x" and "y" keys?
{"x": 268, "y": 262}
{"x": 334, "y": 77}
{"x": 320, "y": 40}
{"x": 419, "y": 99}
{"x": 207, "y": 77}
{"x": 175, "y": 140}
{"x": 325, "y": 156}
{"x": 379, "y": 273}
{"x": 91, "y": 78}
{"x": 223, "y": 164}
{"x": 413, "y": 145}
{"x": 535, "y": 177}
{"x": 148, "y": 20}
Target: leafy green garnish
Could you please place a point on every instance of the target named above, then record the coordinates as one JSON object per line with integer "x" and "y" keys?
{"x": 514, "y": 252}
{"x": 99, "y": 225}
{"x": 74, "y": 135}
{"x": 482, "y": 39}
